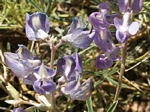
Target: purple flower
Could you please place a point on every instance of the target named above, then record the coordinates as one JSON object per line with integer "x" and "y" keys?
{"x": 68, "y": 64}
{"x": 135, "y": 6}
{"x": 29, "y": 80}
{"x": 76, "y": 36}
{"x": 44, "y": 71}
{"x": 44, "y": 84}
{"x": 104, "y": 61}
{"x": 37, "y": 26}
{"x": 102, "y": 19}
{"x": 18, "y": 110}
{"x": 77, "y": 91}
{"x": 103, "y": 39}
{"x": 83, "y": 92}
{"x": 70, "y": 67}
{"x": 22, "y": 62}
{"x": 78, "y": 61}
{"x": 24, "y": 53}
{"x": 20, "y": 68}
{"x": 125, "y": 28}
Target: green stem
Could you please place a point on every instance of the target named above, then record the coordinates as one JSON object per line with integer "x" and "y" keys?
{"x": 122, "y": 69}
{"x": 89, "y": 104}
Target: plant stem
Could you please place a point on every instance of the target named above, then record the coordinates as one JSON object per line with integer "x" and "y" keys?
{"x": 89, "y": 104}
{"x": 52, "y": 98}
{"x": 122, "y": 70}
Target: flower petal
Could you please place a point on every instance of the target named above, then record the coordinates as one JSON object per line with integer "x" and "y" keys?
{"x": 103, "y": 39}
{"x": 66, "y": 66}
{"x": 122, "y": 5}
{"x": 78, "y": 62}
{"x": 83, "y": 92}
{"x": 122, "y": 37}
{"x": 83, "y": 40}
{"x": 103, "y": 62}
{"x": 37, "y": 26}
{"x": 24, "y": 53}
{"x": 76, "y": 23}
{"x": 18, "y": 110}
{"x": 29, "y": 80}
{"x": 133, "y": 28}
{"x": 44, "y": 86}
{"x": 20, "y": 68}
{"x": 137, "y": 5}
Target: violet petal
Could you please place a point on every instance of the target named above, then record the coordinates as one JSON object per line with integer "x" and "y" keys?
{"x": 44, "y": 86}
{"x": 83, "y": 92}
{"x": 103, "y": 62}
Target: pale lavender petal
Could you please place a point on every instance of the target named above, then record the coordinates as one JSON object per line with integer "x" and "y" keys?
{"x": 118, "y": 23}
{"x": 20, "y": 68}
{"x": 78, "y": 62}
{"x": 24, "y": 53}
{"x": 133, "y": 28}
{"x": 66, "y": 66}
{"x": 83, "y": 40}
{"x": 113, "y": 54}
{"x": 44, "y": 86}
{"x": 69, "y": 87}
{"x": 102, "y": 62}
{"x": 29, "y": 80}
{"x": 103, "y": 39}
{"x": 18, "y": 110}
{"x": 76, "y": 23}
{"x": 44, "y": 71}
{"x": 122, "y": 37}
{"x": 76, "y": 33}
{"x": 83, "y": 92}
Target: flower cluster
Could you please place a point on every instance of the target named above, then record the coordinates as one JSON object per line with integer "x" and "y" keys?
{"x": 70, "y": 69}
{"x": 103, "y": 37}
{"x": 33, "y": 72}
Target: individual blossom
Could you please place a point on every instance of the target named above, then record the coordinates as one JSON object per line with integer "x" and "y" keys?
{"x": 125, "y": 28}
{"x": 20, "y": 68}
{"x": 70, "y": 69}
{"x": 22, "y": 62}
{"x": 102, "y": 19}
{"x": 18, "y": 110}
{"x": 101, "y": 22}
{"x": 104, "y": 61}
{"x": 76, "y": 36}
{"x": 83, "y": 92}
{"x": 66, "y": 65}
{"x": 130, "y": 5}
{"x": 44, "y": 83}
{"x": 78, "y": 91}
{"x": 37, "y": 26}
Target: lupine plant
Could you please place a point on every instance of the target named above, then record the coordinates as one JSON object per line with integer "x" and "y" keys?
{"x": 40, "y": 76}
